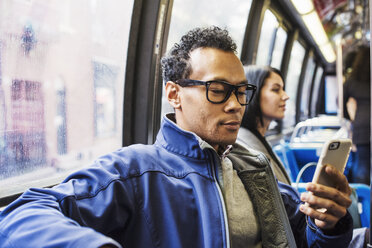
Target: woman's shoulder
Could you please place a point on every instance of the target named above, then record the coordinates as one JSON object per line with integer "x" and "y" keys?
{"x": 250, "y": 139}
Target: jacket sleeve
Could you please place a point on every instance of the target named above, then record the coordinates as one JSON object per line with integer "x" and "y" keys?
{"x": 83, "y": 211}
{"x": 306, "y": 233}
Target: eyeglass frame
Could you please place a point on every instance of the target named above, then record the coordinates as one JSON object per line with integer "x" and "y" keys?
{"x": 191, "y": 82}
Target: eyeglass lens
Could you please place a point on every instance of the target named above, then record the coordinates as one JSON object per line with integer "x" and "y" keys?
{"x": 219, "y": 92}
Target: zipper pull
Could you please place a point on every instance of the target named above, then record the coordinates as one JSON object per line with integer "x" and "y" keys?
{"x": 226, "y": 152}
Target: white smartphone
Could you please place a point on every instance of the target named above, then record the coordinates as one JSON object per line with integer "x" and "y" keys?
{"x": 336, "y": 153}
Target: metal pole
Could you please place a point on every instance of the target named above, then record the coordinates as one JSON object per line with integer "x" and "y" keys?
{"x": 370, "y": 157}
{"x": 339, "y": 59}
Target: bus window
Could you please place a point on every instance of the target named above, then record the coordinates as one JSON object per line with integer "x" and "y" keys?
{"x": 186, "y": 17}
{"x": 267, "y": 38}
{"x": 306, "y": 88}
{"x": 292, "y": 81}
{"x": 276, "y": 61}
{"x": 280, "y": 40}
{"x": 331, "y": 94}
{"x": 61, "y": 87}
{"x": 315, "y": 90}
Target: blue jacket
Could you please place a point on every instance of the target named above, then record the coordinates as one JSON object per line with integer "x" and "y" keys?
{"x": 161, "y": 195}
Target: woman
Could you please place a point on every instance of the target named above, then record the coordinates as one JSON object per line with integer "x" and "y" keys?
{"x": 267, "y": 105}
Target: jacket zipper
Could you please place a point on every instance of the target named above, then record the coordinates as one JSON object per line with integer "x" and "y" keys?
{"x": 222, "y": 201}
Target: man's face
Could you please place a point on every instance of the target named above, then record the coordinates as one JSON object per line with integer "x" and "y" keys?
{"x": 218, "y": 124}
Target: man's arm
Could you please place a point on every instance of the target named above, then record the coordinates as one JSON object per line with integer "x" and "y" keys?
{"x": 77, "y": 213}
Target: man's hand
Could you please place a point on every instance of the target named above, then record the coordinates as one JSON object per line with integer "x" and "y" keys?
{"x": 324, "y": 204}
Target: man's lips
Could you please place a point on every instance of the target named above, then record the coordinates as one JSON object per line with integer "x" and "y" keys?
{"x": 233, "y": 125}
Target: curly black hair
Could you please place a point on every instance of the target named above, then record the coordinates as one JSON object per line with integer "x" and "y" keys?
{"x": 175, "y": 65}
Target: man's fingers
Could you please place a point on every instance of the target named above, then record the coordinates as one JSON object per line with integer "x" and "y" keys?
{"x": 330, "y": 193}
{"x": 322, "y": 218}
{"x": 330, "y": 206}
{"x": 342, "y": 183}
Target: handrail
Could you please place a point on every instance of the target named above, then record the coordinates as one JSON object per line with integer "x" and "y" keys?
{"x": 299, "y": 175}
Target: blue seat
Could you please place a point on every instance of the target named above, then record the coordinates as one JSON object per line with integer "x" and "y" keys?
{"x": 364, "y": 206}
{"x": 288, "y": 159}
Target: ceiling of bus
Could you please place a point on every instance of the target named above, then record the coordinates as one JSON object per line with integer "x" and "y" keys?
{"x": 348, "y": 18}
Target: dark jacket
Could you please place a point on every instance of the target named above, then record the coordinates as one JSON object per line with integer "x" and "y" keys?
{"x": 360, "y": 91}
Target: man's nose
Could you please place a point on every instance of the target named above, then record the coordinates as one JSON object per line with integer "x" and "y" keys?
{"x": 233, "y": 102}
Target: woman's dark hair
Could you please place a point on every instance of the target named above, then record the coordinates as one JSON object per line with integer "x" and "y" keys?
{"x": 256, "y": 75}
{"x": 175, "y": 65}
{"x": 361, "y": 70}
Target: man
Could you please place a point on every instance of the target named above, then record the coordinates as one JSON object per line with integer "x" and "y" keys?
{"x": 192, "y": 188}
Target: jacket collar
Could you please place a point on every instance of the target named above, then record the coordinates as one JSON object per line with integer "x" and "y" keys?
{"x": 182, "y": 142}
{"x": 179, "y": 141}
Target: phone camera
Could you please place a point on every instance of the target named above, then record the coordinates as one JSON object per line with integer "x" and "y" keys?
{"x": 334, "y": 145}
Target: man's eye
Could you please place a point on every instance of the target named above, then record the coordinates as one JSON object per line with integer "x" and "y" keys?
{"x": 216, "y": 91}
{"x": 242, "y": 93}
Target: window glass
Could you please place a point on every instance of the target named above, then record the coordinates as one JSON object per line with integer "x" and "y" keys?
{"x": 317, "y": 80}
{"x": 292, "y": 80}
{"x": 331, "y": 89}
{"x": 306, "y": 88}
{"x": 279, "y": 46}
{"x": 62, "y": 66}
{"x": 276, "y": 61}
{"x": 104, "y": 77}
{"x": 267, "y": 38}
{"x": 231, "y": 15}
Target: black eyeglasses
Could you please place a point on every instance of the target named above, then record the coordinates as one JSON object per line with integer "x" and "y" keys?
{"x": 219, "y": 91}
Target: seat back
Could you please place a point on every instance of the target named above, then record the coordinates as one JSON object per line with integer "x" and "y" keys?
{"x": 288, "y": 159}
{"x": 364, "y": 206}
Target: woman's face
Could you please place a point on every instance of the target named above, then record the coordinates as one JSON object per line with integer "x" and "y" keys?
{"x": 273, "y": 98}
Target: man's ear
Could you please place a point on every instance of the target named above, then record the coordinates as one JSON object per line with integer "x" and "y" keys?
{"x": 172, "y": 91}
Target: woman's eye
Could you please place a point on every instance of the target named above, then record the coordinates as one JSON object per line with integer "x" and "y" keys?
{"x": 276, "y": 90}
